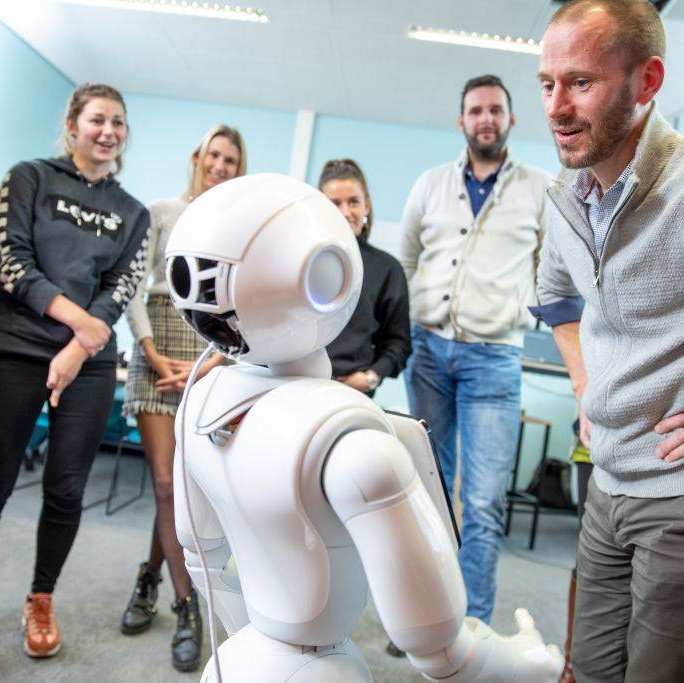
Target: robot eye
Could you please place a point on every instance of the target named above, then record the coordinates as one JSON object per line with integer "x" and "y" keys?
{"x": 181, "y": 280}
{"x": 200, "y": 283}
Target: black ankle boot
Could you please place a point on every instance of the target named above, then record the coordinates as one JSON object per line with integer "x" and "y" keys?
{"x": 186, "y": 646}
{"x": 140, "y": 611}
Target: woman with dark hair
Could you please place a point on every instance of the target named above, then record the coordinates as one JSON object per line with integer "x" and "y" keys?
{"x": 376, "y": 341}
{"x": 163, "y": 356}
{"x": 71, "y": 256}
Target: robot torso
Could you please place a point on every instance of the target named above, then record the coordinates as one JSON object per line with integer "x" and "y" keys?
{"x": 301, "y": 575}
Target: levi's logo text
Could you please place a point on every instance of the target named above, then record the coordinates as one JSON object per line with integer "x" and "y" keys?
{"x": 85, "y": 217}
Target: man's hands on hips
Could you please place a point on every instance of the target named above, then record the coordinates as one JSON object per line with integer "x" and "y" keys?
{"x": 584, "y": 429}
{"x": 671, "y": 448}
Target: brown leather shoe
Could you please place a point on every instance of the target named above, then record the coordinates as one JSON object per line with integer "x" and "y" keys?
{"x": 41, "y": 633}
{"x": 568, "y": 675}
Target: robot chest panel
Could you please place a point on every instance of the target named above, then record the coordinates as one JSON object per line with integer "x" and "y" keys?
{"x": 254, "y": 484}
{"x": 264, "y": 484}
{"x": 274, "y": 457}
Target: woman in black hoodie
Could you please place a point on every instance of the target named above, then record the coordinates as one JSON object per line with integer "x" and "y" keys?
{"x": 72, "y": 251}
{"x": 376, "y": 341}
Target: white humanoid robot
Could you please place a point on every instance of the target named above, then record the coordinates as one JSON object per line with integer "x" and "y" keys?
{"x": 301, "y": 486}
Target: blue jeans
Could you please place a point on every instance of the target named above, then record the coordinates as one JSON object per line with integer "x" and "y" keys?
{"x": 472, "y": 389}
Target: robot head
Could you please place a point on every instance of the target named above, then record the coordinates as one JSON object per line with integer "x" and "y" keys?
{"x": 265, "y": 267}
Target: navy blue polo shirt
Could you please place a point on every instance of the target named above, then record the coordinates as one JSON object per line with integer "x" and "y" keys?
{"x": 479, "y": 191}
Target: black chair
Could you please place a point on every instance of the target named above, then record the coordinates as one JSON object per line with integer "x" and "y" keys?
{"x": 517, "y": 499}
{"x": 119, "y": 433}
{"x": 125, "y": 437}
{"x": 129, "y": 441}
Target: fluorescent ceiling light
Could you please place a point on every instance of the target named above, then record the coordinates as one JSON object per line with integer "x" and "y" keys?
{"x": 215, "y": 9}
{"x": 472, "y": 39}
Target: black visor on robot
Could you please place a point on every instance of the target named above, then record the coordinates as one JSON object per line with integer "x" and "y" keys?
{"x": 218, "y": 328}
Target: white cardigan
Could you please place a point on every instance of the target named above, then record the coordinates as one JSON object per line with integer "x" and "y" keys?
{"x": 472, "y": 279}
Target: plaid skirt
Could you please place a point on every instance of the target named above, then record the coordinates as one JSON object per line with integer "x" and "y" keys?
{"x": 172, "y": 337}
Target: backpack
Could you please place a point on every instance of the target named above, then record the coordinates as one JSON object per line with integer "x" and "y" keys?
{"x": 551, "y": 484}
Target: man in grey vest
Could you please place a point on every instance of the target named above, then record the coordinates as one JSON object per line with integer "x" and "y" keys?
{"x": 615, "y": 240}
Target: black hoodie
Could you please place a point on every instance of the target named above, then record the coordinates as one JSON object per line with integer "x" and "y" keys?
{"x": 61, "y": 234}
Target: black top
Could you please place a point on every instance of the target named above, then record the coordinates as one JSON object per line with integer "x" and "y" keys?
{"x": 62, "y": 234}
{"x": 378, "y": 335}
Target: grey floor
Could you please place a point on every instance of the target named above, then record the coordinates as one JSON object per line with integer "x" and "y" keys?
{"x": 98, "y": 577}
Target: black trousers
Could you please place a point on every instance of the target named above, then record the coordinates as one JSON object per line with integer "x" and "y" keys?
{"x": 77, "y": 426}
{"x": 584, "y": 470}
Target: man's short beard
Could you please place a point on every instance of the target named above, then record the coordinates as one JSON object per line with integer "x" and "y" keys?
{"x": 490, "y": 151}
{"x": 608, "y": 133}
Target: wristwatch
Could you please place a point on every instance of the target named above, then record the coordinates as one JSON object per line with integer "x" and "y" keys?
{"x": 373, "y": 379}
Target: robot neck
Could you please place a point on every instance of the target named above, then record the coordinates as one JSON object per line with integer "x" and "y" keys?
{"x": 316, "y": 364}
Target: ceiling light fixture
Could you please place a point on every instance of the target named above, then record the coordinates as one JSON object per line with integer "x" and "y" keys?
{"x": 218, "y": 9}
{"x": 473, "y": 39}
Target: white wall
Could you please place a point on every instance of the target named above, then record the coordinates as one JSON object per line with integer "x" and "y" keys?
{"x": 32, "y": 98}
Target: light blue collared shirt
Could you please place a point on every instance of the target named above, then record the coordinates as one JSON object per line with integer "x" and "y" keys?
{"x": 599, "y": 209}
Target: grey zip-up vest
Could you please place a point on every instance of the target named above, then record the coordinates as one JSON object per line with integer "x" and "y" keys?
{"x": 632, "y": 327}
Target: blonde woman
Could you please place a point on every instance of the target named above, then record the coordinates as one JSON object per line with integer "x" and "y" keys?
{"x": 71, "y": 254}
{"x": 164, "y": 353}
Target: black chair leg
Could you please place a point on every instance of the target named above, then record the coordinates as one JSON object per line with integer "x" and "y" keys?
{"x": 533, "y": 529}
{"x": 27, "y": 484}
{"x": 509, "y": 518}
{"x": 113, "y": 483}
{"x": 111, "y": 509}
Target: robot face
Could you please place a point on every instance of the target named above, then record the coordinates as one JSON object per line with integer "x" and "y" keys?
{"x": 200, "y": 290}
{"x": 265, "y": 267}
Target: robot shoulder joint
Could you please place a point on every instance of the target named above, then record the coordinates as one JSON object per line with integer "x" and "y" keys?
{"x": 367, "y": 469}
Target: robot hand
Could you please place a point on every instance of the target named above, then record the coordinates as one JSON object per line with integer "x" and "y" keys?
{"x": 537, "y": 662}
{"x": 521, "y": 658}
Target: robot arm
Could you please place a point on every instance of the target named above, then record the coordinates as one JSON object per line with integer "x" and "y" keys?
{"x": 223, "y": 577}
{"x": 413, "y": 572}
